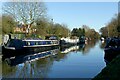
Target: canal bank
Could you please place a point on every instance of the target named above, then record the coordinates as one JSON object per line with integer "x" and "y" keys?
{"x": 111, "y": 71}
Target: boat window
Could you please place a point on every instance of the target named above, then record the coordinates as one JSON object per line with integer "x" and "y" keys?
{"x": 39, "y": 42}
{"x": 54, "y": 42}
{"x": 36, "y": 43}
{"x": 32, "y": 43}
{"x": 49, "y": 42}
{"x": 28, "y": 43}
{"x": 44, "y": 42}
{"x": 39, "y": 55}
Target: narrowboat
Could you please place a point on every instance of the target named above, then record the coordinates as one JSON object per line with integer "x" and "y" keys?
{"x": 112, "y": 48}
{"x": 16, "y": 47}
{"x": 67, "y": 42}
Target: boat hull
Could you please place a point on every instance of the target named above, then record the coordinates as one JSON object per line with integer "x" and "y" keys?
{"x": 111, "y": 53}
{"x": 7, "y": 53}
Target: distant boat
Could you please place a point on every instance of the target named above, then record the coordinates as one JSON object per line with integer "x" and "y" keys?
{"x": 67, "y": 42}
{"x": 15, "y": 47}
{"x": 70, "y": 41}
{"x": 102, "y": 39}
{"x": 112, "y": 48}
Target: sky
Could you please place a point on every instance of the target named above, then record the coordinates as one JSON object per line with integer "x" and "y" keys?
{"x": 75, "y": 14}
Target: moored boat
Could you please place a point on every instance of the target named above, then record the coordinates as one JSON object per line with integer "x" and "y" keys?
{"x": 112, "y": 48}
{"x": 15, "y": 47}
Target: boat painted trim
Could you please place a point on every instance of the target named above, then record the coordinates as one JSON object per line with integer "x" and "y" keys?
{"x": 41, "y": 45}
{"x": 13, "y": 48}
{"x": 39, "y": 40}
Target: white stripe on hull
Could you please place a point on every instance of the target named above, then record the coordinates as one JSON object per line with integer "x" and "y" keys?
{"x": 41, "y": 45}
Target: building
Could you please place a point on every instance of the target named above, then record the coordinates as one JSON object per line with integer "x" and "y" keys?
{"x": 20, "y": 29}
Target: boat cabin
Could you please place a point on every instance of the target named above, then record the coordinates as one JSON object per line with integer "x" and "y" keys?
{"x": 19, "y": 44}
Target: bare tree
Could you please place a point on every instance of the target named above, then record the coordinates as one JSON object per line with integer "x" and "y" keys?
{"x": 24, "y": 12}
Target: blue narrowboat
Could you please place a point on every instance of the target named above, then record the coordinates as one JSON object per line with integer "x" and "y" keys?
{"x": 16, "y": 47}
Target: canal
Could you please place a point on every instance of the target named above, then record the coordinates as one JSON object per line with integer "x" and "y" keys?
{"x": 83, "y": 61}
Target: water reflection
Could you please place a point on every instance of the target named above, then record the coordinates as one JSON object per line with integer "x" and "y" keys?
{"x": 84, "y": 48}
{"x": 33, "y": 66}
{"x": 88, "y": 46}
{"x": 28, "y": 70}
{"x": 102, "y": 45}
{"x": 28, "y": 58}
{"x": 71, "y": 49}
{"x": 29, "y": 66}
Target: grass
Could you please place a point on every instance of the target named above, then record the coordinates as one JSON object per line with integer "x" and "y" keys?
{"x": 111, "y": 71}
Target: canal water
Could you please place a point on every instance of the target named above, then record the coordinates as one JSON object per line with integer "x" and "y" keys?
{"x": 83, "y": 61}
